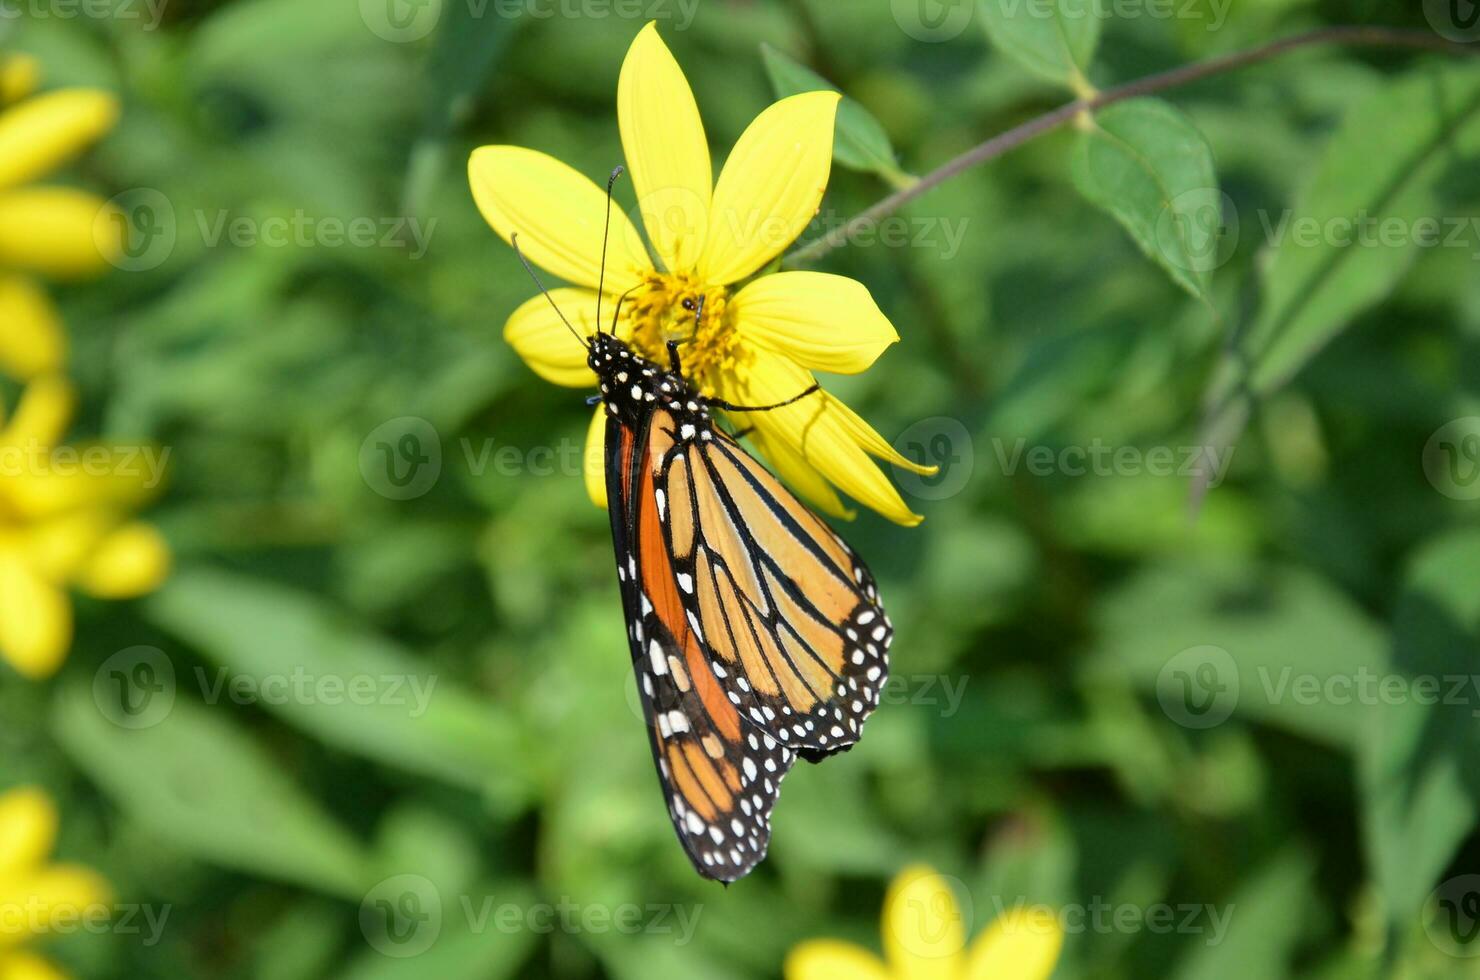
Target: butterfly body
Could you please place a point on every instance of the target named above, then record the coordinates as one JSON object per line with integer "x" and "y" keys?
{"x": 756, "y": 634}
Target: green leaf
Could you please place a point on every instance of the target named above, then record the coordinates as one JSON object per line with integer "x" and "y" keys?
{"x": 1263, "y": 925}
{"x": 468, "y": 44}
{"x": 484, "y": 933}
{"x": 1147, "y": 165}
{"x": 859, "y": 142}
{"x": 1380, "y": 168}
{"x": 406, "y": 713}
{"x": 197, "y": 782}
{"x": 1264, "y": 646}
{"x": 1055, "y": 39}
{"x": 1420, "y": 759}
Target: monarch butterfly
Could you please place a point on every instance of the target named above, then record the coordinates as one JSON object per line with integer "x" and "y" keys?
{"x": 756, "y": 633}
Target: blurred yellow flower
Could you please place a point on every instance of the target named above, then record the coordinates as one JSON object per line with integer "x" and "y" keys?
{"x": 925, "y": 939}
{"x": 36, "y": 897}
{"x": 760, "y": 340}
{"x": 64, "y": 522}
{"x": 56, "y": 232}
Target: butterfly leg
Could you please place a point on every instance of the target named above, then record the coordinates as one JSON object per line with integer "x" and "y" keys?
{"x": 722, "y": 404}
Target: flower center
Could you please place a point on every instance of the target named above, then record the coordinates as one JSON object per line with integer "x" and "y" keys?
{"x": 666, "y": 307}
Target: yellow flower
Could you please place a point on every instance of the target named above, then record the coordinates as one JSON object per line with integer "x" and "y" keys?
{"x": 925, "y": 939}
{"x": 35, "y": 896}
{"x": 761, "y": 339}
{"x": 64, "y": 522}
{"x": 57, "y": 232}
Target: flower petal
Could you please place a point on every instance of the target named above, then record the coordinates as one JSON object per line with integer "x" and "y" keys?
{"x": 40, "y": 420}
{"x": 829, "y": 959}
{"x": 33, "y": 341}
{"x": 35, "y": 618}
{"x": 542, "y": 339}
{"x": 42, "y": 133}
{"x": 86, "y": 476}
{"x": 821, "y": 321}
{"x": 57, "y": 231}
{"x": 58, "y": 547}
{"x": 1023, "y": 943}
{"x": 817, "y": 429}
{"x": 130, "y": 562}
{"x": 876, "y": 445}
{"x": 19, "y": 76}
{"x": 594, "y": 463}
{"x": 923, "y": 929}
{"x": 556, "y": 212}
{"x": 51, "y": 897}
{"x": 28, "y": 828}
{"x": 770, "y": 186}
{"x": 24, "y": 965}
{"x": 663, "y": 140}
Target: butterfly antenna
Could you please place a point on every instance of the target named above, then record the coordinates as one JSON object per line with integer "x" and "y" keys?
{"x": 606, "y": 231}
{"x": 514, "y": 241}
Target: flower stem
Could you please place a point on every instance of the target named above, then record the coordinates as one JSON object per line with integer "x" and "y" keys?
{"x": 1003, "y": 142}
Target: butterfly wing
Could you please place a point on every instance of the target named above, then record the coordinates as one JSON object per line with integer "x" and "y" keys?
{"x": 786, "y": 612}
{"x": 720, "y": 772}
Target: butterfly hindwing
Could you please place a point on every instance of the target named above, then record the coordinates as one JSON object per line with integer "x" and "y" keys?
{"x": 789, "y": 615}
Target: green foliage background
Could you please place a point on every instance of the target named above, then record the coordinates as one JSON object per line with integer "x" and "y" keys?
{"x": 1055, "y": 603}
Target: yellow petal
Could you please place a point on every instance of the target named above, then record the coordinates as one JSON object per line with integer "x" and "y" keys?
{"x": 132, "y": 561}
{"x": 828, "y": 959}
{"x": 53, "y": 897}
{"x": 594, "y": 464}
{"x": 28, "y": 829}
{"x": 19, "y": 76}
{"x": 556, "y": 212}
{"x": 42, "y": 133}
{"x": 805, "y": 481}
{"x": 816, "y": 429}
{"x": 35, "y": 618}
{"x": 924, "y": 931}
{"x": 663, "y": 140}
{"x": 59, "y": 546}
{"x": 873, "y": 443}
{"x": 40, "y": 420}
{"x": 24, "y": 965}
{"x": 56, "y": 231}
{"x": 821, "y": 321}
{"x": 770, "y": 186}
{"x": 32, "y": 342}
{"x": 88, "y": 476}
{"x": 538, "y": 335}
{"x": 1023, "y": 944}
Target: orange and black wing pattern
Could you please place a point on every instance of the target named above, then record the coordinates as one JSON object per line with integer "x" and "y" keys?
{"x": 756, "y": 633}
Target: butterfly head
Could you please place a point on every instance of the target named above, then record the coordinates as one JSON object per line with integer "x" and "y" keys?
{"x": 632, "y": 386}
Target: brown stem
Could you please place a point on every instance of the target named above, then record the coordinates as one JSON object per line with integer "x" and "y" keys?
{"x": 1017, "y": 136}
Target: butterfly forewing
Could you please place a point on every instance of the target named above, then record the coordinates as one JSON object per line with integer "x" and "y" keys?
{"x": 756, "y": 633}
